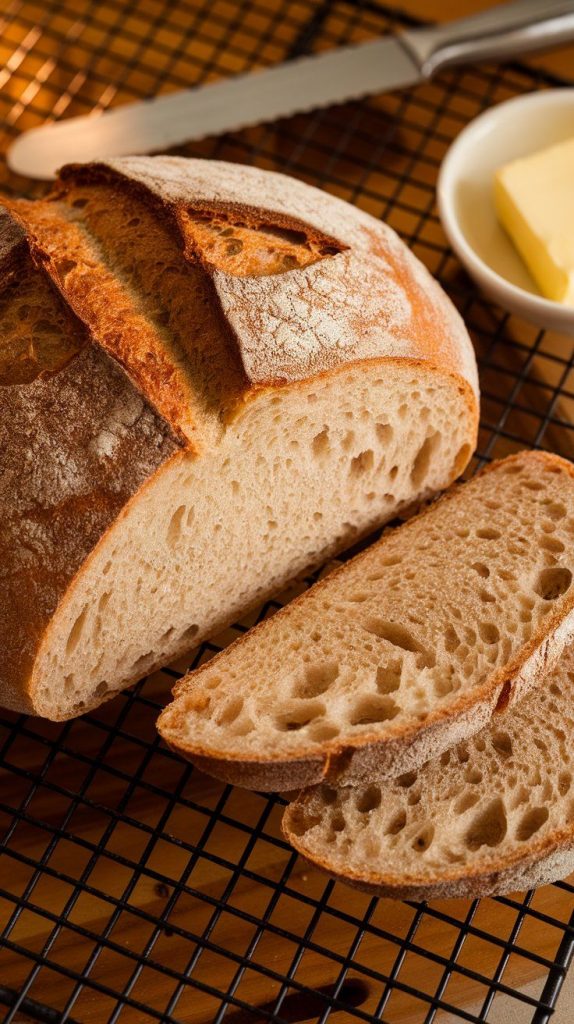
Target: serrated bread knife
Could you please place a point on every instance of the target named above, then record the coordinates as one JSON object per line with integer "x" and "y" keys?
{"x": 347, "y": 73}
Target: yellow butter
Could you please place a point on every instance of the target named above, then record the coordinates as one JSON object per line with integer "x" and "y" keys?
{"x": 534, "y": 199}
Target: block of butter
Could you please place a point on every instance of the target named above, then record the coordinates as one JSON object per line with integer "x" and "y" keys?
{"x": 534, "y": 199}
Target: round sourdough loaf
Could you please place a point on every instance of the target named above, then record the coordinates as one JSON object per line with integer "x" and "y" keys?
{"x": 215, "y": 377}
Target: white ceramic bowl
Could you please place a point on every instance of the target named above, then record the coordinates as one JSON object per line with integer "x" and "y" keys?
{"x": 511, "y": 129}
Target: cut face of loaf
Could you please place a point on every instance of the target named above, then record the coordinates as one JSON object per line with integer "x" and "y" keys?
{"x": 492, "y": 815}
{"x": 289, "y": 485}
{"x": 403, "y": 651}
{"x": 283, "y": 377}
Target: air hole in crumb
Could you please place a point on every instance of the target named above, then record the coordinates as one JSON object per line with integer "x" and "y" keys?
{"x": 451, "y": 641}
{"x": 555, "y": 509}
{"x": 502, "y": 743}
{"x": 298, "y": 718}
{"x": 462, "y": 752}
{"x": 166, "y": 636}
{"x": 348, "y": 441}
{"x": 368, "y": 799}
{"x": 551, "y": 544}
{"x": 338, "y": 822}
{"x": 188, "y": 634}
{"x": 488, "y": 533}
{"x": 401, "y": 637}
{"x": 423, "y": 458}
{"x": 466, "y": 801}
{"x": 319, "y": 731}
{"x": 174, "y": 528}
{"x": 329, "y": 795}
{"x": 488, "y": 827}
{"x": 532, "y": 820}
{"x": 424, "y": 839}
{"x": 489, "y": 633}
{"x": 481, "y": 569}
{"x": 321, "y": 443}
{"x": 486, "y": 596}
{"x": 231, "y": 711}
{"x": 388, "y": 677}
{"x": 300, "y": 822}
{"x": 406, "y": 780}
{"x": 141, "y": 664}
{"x": 443, "y": 685}
{"x": 384, "y": 433}
{"x": 552, "y": 583}
{"x": 76, "y": 631}
{"x": 371, "y": 710}
{"x": 564, "y": 783}
{"x": 317, "y": 678}
{"x": 242, "y": 726}
{"x": 388, "y": 561}
{"x": 396, "y": 824}
{"x": 461, "y": 459}
{"x": 362, "y": 463}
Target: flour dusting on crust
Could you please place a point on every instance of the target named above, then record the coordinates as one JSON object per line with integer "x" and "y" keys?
{"x": 374, "y": 300}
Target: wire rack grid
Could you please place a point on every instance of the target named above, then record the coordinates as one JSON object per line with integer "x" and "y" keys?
{"x": 132, "y": 888}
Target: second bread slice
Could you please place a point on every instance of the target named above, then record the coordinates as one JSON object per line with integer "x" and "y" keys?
{"x": 402, "y": 652}
{"x": 493, "y": 815}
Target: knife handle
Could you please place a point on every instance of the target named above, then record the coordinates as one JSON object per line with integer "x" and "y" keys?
{"x": 503, "y": 31}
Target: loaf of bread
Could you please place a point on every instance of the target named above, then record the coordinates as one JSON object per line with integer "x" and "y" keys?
{"x": 214, "y": 378}
{"x": 493, "y": 815}
{"x": 405, "y": 650}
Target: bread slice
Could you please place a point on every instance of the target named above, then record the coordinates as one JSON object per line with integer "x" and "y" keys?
{"x": 494, "y": 814}
{"x": 403, "y": 651}
{"x": 292, "y": 377}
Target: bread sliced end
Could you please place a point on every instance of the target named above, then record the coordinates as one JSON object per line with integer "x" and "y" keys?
{"x": 492, "y": 815}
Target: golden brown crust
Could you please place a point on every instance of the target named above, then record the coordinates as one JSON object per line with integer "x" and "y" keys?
{"x": 76, "y": 443}
{"x": 343, "y": 762}
{"x": 13, "y": 247}
{"x": 371, "y": 299}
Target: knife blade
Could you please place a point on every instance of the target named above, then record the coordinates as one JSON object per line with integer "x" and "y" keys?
{"x": 307, "y": 83}
{"x": 259, "y": 96}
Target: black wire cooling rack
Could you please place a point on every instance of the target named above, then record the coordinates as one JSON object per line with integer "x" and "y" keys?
{"x": 132, "y": 888}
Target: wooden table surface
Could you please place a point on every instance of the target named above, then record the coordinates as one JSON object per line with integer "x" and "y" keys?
{"x": 83, "y": 797}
